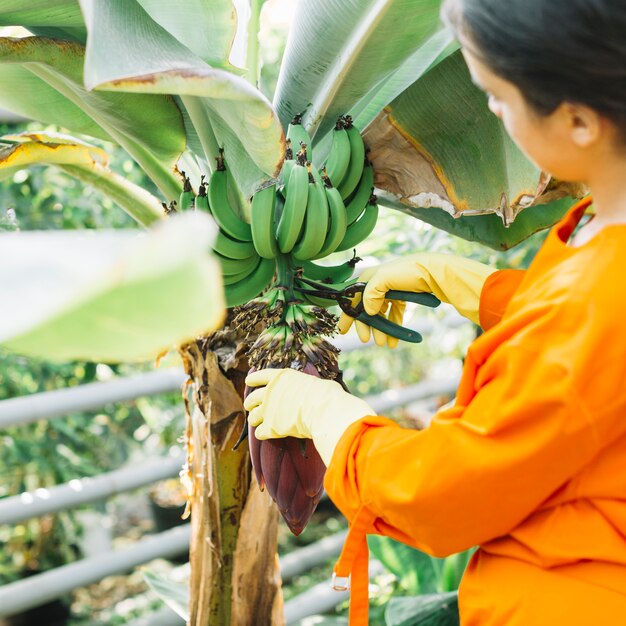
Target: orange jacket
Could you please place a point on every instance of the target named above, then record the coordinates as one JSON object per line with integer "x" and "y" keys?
{"x": 530, "y": 462}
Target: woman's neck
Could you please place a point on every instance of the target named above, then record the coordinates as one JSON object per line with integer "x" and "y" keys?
{"x": 607, "y": 183}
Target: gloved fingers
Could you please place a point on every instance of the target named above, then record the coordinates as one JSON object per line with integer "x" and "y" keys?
{"x": 254, "y": 399}
{"x": 363, "y": 331}
{"x": 374, "y": 294}
{"x": 396, "y": 315}
{"x": 345, "y": 323}
{"x": 260, "y": 378}
{"x": 255, "y": 418}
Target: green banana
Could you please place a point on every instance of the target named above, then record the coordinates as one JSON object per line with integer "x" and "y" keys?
{"x": 328, "y": 273}
{"x": 362, "y": 228}
{"x": 292, "y": 217}
{"x": 297, "y": 134}
{"x": 357, "y": 160}
{"x": 252, "y": 285}
{"x": 338, "y": 220}
{"x": 186, "y": 200}
{"x": 315, "y": 223}
{"x": 287, "y": 167}
{"x": 231, "y": 279}
{"x": 232, "y": 267}
{"x": 339, "y": 155}
{"x": 221, "y": 208}
{"x": 202, "y": 200}
{"x": 232, "y": 248}
{"x": 360, "y": 198}
{"x": 263, "y": 211}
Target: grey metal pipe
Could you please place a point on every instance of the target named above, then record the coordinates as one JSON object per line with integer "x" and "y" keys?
{"x": 37, "y": 590}
{"x": 49, "y": 404}
{"x": 84, "y": 490}
{"x": 314, "y": 554}
{"x": 421, "y": 391}
{"x": 320, "y": 598}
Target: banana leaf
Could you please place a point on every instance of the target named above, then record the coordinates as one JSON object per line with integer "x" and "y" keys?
{"x": 439, "y": 154}
{"x": 109, "y": 295}
{"x": 428, "y": 610}
{"x": 207, "y": 28}
{"x": 61, "y": 19}
{"x": 83, "y": 161}
{"x": 339, "y": 51}
{"x": 149, "y": 127}
{"x": 128, "y": 51}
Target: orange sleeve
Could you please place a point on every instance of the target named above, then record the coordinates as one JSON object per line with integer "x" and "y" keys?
{"x": 478, "y": 470}
{"x": 496, "y": 294}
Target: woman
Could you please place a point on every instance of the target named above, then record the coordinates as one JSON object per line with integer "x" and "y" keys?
{"x": 530, "y": 462}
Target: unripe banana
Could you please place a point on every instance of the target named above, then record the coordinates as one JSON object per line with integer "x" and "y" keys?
{"x": 231, "y": 279}
{"x": 297, "y": 134}
{"x": 292, "y": 217}
{"x": 338, "y": 221}
{"x": 328, "y": 273}
{"x": 186, "y": 200}
{"x": 357, "y": 160}
{"x": 252, "y": 285}
{"x": 233, "y": 267}
{"x": 360, "y": 199}
{"x": 263, "y": 211}
{"x": 232, "y": 248}
{"x": 362, "y": 228}
{"x": 315, "y": 223}
{"x": 220, "y": 205}
{"x": 339, "y": 155}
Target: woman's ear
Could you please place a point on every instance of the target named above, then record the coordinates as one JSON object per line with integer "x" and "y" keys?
{"x": 584, "y": 125}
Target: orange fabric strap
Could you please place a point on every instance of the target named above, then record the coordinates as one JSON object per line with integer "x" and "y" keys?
{"x": 353, "y": 565}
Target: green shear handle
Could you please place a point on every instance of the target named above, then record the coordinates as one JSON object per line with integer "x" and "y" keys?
{"x": 344, "y": 298}
{"x": 380, "y": 322}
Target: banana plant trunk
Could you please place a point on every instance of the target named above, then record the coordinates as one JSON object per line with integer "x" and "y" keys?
{"x": 235, "y": 577}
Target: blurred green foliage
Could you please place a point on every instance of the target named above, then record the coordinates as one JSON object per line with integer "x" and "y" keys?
{"x": 45, "y": 453}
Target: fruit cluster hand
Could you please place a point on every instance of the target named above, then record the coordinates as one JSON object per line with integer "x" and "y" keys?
{"x": 292, "y": 404}
{"x": 453, "y": 279}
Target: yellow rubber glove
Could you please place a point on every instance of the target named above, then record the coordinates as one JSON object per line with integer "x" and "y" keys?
{"x": 292, "y": 404}
{"x": 453, "y": 279}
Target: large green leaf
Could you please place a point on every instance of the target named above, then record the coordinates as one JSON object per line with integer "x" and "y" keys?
{"x": 175, "y": 594}
{"x": 439, "y": 152}
{"x": 206, "y": 27}
{"x": 129, "y": 51}
{"x": 416, "y": 571}
{"x": 24, "y": 93}
{"x": 149, "y": 127}
{"x": 432, "y": 51}
{"x": 429, "y": 610}
{"x": 60, "y": 18}
{"x": 111, "y": 295}
{"x": 338, "y": 51}
{"x": 83, "y": 161}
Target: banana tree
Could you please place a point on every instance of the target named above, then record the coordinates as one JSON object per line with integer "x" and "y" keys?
{"x": 373, "y": 104}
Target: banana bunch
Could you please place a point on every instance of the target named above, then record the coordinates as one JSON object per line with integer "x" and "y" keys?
{"x": 315, "y": 213}
{"x": 307, "y": 214}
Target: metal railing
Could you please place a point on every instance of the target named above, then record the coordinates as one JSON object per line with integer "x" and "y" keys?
{"x": 41, "y": 588}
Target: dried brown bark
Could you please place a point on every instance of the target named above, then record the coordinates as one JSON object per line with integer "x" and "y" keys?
{"x": 235, "y": 578}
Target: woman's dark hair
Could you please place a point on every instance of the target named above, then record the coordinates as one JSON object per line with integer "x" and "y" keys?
{"x": 554, "y": 51}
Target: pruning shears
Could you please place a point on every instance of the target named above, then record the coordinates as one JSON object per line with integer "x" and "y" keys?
{"x": 344, "y": 298}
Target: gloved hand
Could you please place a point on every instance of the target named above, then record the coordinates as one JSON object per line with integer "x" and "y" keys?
{"x": 292, "y": 404}
{"x": 453, "y": 279}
